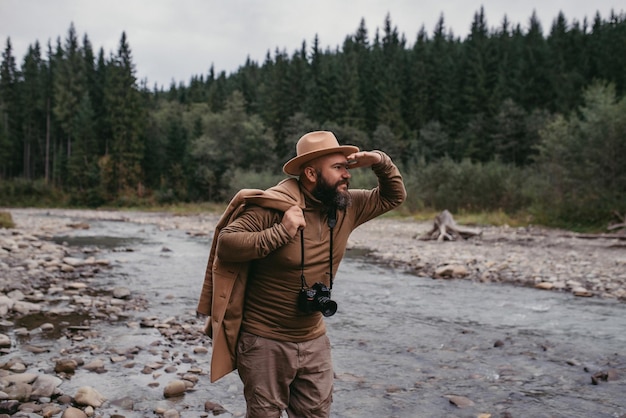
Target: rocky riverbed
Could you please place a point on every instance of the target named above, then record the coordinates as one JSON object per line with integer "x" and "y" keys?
{"x": 51, "y": 284}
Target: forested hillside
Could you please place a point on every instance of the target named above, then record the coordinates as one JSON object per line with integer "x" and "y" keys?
{"x": 509, "y": 117}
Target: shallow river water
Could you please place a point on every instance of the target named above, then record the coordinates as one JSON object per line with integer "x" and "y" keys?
{"x": 403, "y": 346}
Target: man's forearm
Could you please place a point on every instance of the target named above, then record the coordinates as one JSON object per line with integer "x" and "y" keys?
{"x": 390, "y": 183}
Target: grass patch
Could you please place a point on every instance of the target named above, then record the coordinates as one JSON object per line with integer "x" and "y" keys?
{"x": 494, "y": 218}
{"x": 6, "y": 220}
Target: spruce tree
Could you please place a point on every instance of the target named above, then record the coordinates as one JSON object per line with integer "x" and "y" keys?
{"x": 122, "y": 170}
{"x": 33, "y": 110}
{"x": 70, "y": 86}
{"x": 10, "y": 113}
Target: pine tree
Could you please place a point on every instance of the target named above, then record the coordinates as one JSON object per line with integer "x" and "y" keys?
{"x": 33, "y": 110}
{"x": 10, "y": 111}
{"x": 536, "y": 89}
{"x": 391, "y": 68}
{"x": 121, "y": 168}
{"x": 564, "y": 62}
{"x": 417, "y": 89}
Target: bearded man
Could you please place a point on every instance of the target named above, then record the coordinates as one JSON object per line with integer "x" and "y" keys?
{"x": 270, "y": 274}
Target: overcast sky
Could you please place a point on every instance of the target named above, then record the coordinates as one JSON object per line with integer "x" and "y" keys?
{"x": 175, "y": 39}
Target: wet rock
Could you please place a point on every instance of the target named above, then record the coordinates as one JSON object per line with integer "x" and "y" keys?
{"x": 451, "y": 271}
{"x": 604, "y": 376}
{"x": 125, "y": 403}
{"x": 50, "y": 410}
{"x": 45, "y": 386}
{"x": 73, "y": 261}
{"x": 544, "y": 286}
{"x": 5, "y": 341}
{"x": 65, "y": 365}
{"x": 78, "y": 225}
{"x": 121, "y": 293}
{"x": 6, "y": 305}
{"x": 459, "y": 401}
{"x": 581, "y": 291}
{"x": 200, "y": 350}
{"x": 96, "y": 365}
{"x": 47, "y": 327}
{"x": 27, "y": 378}
{"x": 171, "y": 413}
{"x": 215, "y": 408}
{"x": 87, "y": 395}
{"x": 9, "y": 407}
{"x": 24, "y": 308}
{"x": 18, "y": 367}
{"x": 72, "y": 412}
{"x": 19, "y": 391}
{"x": 175, "y": 388}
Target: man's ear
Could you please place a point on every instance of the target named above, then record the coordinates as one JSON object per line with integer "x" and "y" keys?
{"x": 310, "y": 174}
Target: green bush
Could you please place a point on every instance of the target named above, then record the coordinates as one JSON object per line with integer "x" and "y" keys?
{"x": 465, "y": 186}
{"x": 250, "y": 179}
{"x": 23, "y": 192}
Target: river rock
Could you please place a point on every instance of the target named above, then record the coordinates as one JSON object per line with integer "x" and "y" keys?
{"x": 544, "y": 286}
{"x": 23, "y": 308}
{"x": 72, "y": 412}
{"x": 27, "y": 378}
{"x": 459, "y": 401}
{"x": 19, "y": 392}
{"x": 5, "y": 341}
{"x": 121, "y": 293}
{"x": 200, "y": 350}
{"x": 174, "y": 388}
{"x": 16, "y": 295}
{"x": 6, "y": 305}
{"x": 87, "y": 395}
{"x": 73, "y": 261}
{"x": 65, "y": 365}
{"x": 50, "y": 410}
{"x": 581, "y": 291}
{"x": 45, "y": 386}
{"x": 451, "y": 271}
{"x": 213, "y": 407}
{"x": 171, "y": 413}
{"x": 9, "y": 407}
{"x": 96, "y": 365}
{"x": 47, "y": 327}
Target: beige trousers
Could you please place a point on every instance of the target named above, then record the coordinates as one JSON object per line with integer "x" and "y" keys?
{"x": 279, "y": 376}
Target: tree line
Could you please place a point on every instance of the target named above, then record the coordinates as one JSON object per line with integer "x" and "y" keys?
{"x": 505, "y": 118}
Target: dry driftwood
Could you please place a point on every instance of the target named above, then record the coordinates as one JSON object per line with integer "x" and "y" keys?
{"x": 619, "y": 225}
{"x": 445, "y": 228}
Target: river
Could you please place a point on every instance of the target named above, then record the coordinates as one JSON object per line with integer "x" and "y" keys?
{"x": 403, "y": 346}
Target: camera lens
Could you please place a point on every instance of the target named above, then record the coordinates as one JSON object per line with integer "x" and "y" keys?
{"x": 327, "y": 306}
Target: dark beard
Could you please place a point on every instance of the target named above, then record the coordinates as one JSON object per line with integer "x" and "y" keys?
{"x": 330, "y": 196}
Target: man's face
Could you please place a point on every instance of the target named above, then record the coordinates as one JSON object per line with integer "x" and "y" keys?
{"x": 333, "y": 181}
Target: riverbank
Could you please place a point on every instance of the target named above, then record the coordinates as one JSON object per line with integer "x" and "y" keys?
{"x": 585, "y": 265}
{"x": 64, "y": 285}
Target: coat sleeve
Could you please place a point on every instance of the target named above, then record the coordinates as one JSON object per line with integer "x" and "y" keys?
{"x": 253, "y": 235}
{"x": 389, "y": 194}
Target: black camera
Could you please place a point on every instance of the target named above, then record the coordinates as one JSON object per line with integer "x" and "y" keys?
{"x": 317, "y": 298}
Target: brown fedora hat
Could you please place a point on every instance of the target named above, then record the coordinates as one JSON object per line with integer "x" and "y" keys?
{"x": 313, "y": 145}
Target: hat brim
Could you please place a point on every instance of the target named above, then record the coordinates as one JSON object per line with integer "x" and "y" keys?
{"x": 293, "y": 167}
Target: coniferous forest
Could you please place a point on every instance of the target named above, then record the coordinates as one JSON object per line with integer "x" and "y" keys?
{"x": 513, "y": 118}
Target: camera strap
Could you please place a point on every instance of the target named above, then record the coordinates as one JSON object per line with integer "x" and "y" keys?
{"x": 332, "y": 221}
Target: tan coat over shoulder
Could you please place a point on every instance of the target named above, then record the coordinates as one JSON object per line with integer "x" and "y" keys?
{"x": 224, "y": 286}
